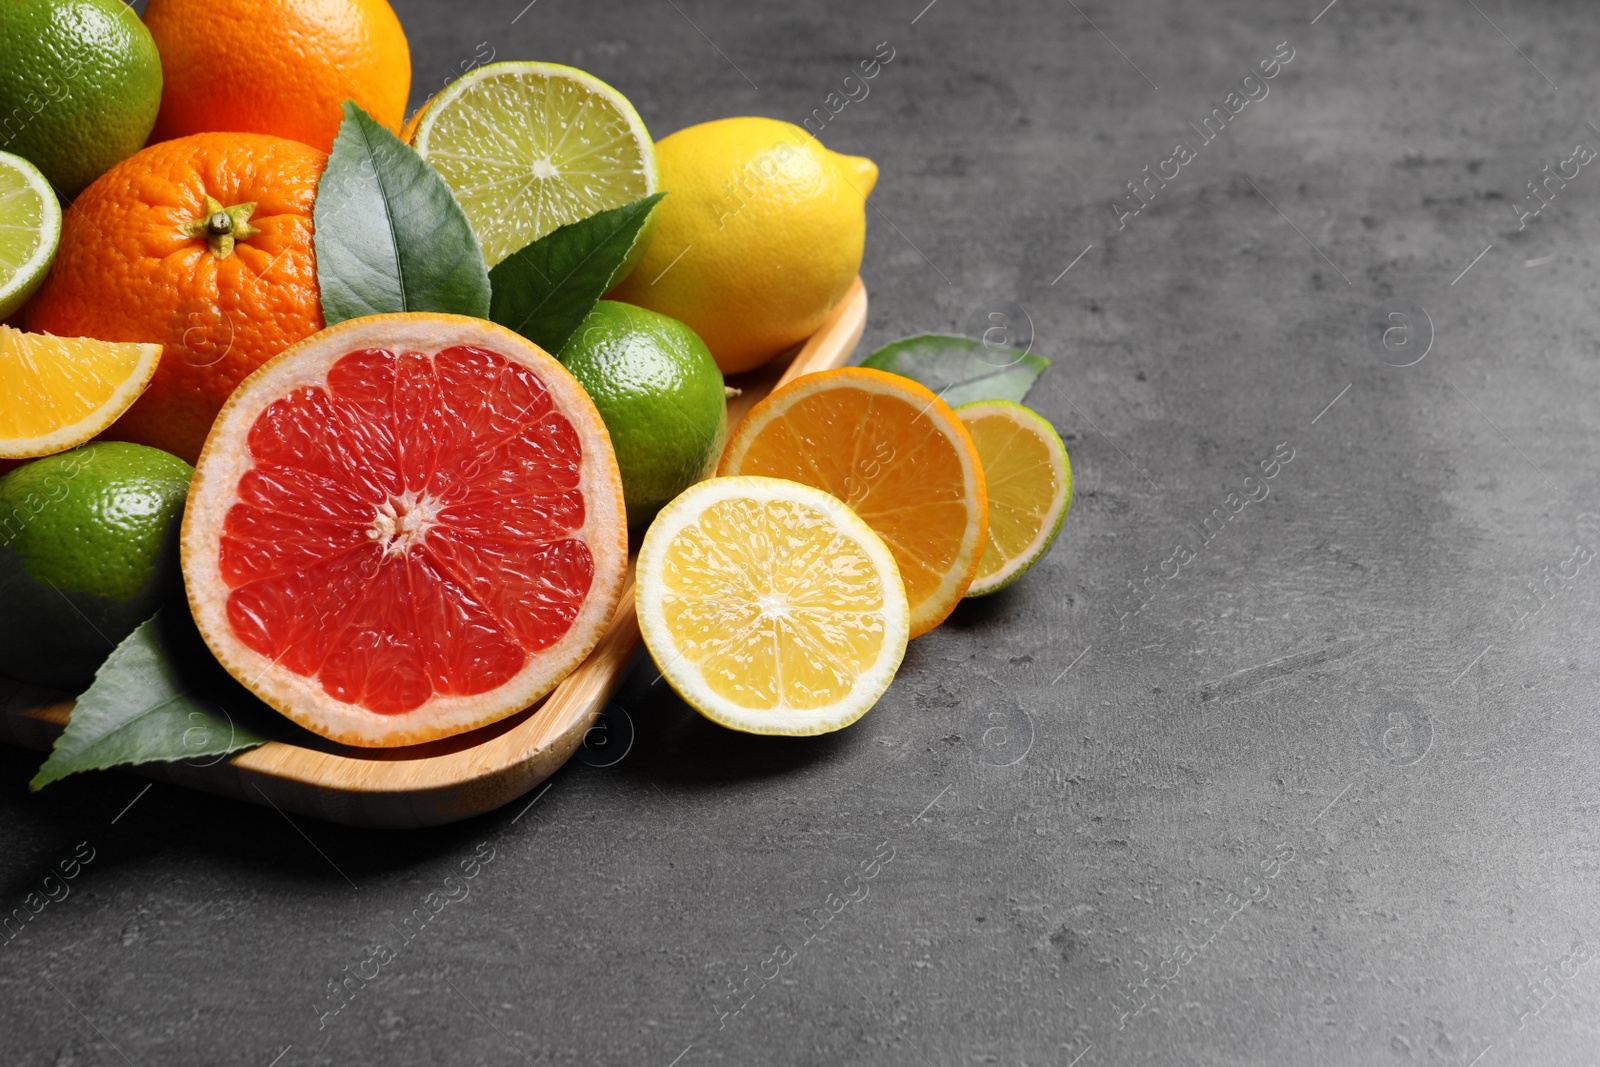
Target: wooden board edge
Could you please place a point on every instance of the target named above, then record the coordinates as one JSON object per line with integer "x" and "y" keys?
{"x": 457, "y": 785}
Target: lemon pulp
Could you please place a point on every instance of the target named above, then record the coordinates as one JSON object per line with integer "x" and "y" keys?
{"x": 1030, "y": 488}
{"x": 770, "y": 607}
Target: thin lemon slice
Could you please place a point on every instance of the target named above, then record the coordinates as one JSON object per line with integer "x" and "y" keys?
{"x": 770, "y": 607}
{"x": 1030, "y": 488}
{"x": 57, "y": 392}
{"x": 529, "y": 147}
{"x": 30, "y": 229}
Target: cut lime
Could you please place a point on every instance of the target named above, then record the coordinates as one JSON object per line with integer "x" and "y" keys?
{"x": 1030, "y": 488}
{"x": 529, "y": 147}
{"x": 30, "y": 228}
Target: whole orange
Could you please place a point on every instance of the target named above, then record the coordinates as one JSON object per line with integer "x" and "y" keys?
{"x": 277, "y": 66}
{"x": 204, "y": 245}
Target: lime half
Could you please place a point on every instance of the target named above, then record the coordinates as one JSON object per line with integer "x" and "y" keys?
{"x": 529, "y": 147}
{"x": 30, "y": 229}
{"x": 1030, "y": 488}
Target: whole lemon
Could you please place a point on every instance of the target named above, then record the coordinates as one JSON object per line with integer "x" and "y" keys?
{"x": 760, "y": 236}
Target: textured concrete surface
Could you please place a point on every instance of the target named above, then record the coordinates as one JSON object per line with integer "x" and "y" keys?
{"x": 1323, "y": 793}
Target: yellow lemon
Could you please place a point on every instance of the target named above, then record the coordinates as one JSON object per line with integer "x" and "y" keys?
{"x": 759, "y": 237}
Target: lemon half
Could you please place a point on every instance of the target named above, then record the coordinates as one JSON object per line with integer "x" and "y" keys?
{"x": 770, "y": 607}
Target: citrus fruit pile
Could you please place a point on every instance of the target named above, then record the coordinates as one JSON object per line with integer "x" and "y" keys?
{"x": 434, "y": 376}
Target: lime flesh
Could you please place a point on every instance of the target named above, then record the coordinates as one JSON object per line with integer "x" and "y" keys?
{"x": 530, "y": 147}
{"x": 30, "y": 229}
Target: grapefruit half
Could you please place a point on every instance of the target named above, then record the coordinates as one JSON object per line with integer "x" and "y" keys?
{"x": 405, "y": 527}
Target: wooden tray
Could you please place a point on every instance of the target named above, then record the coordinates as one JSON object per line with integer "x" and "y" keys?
{"x": 458, "y": 777}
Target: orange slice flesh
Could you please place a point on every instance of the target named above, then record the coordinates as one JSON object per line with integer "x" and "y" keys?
{"x": 404, "y": 527}
{"x": 57, "y": 392}
{"x": 897, "y": 455}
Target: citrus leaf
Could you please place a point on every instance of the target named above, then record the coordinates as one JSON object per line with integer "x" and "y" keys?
{"x": 389, "y": 235}
{"x": 157, "y": 698}
{"x": 960, "y": 369}
{"x": 546, "y": 289}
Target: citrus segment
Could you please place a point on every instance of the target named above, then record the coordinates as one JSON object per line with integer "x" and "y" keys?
{"x": 1030, "y": 488}
{"x": 30, "y": 229}
{"x": 897, "y": 455}
{"x": 404, "y": 527}
{"x": 770, "y": 607}
{"x": 529, "y": 147}
{"x": 57, "y": 392}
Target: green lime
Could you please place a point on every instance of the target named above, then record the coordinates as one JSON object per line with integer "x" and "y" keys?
{"x": 660, "y": 394}
{"x": 88, "y": 549}
{"x": 529, "y": 147}
{"x": 80, "y": 85}
{"x": 30, "y": 229}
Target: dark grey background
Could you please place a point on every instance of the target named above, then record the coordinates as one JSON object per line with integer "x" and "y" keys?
{"x": 1339, "y": 704}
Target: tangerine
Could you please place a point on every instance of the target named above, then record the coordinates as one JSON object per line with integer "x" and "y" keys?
{"x": 202, "y": 244}
{"x": 282, "y": 67}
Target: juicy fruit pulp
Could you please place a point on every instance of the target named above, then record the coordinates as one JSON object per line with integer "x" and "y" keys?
{"x": 896, "y": 455}
{"x": 770, "y": 607}
{"x": 433, "y": 565}
{"x": 530, "y": 147}
{"x": 57, "y": 392}
{"x": 1029, "y": 480}
{"x": 30, "y": 229}
{"x": 408, "y": 528}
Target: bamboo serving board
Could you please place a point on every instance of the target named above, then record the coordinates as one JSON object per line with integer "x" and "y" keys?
{"x": 457, "y": 777}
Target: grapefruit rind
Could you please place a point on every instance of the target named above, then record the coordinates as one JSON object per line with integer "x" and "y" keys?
{"x": 226, "y": 458}
{"x": 686, "y": 678}
{"x": 957, "y": 577}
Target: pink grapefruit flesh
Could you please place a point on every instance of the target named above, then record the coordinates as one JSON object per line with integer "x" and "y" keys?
{"x": 405, "y": 527}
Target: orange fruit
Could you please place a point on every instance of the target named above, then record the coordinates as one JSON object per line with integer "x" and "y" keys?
{"x": 405, "y": 527}
{"x": 897, "y": 455}
{"x": 138, "y": 262}
{"x": 282, "y": 67}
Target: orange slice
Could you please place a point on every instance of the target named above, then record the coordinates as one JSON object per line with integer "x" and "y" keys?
{"x": 57, "y": 392}
{"x": 896, "y": 454}
{"x": 404, "y": 527}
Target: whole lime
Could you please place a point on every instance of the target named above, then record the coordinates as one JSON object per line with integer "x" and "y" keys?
{"x": 660, "y": 394}
{"x": 88, "y": 550}
{"x": 80, "y": 86}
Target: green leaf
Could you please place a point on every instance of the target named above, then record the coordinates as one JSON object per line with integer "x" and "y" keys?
{"x": 960, "y": 369}
{"x": 159, "y": 697}
{"x": 545, "y": 290}
{"x": 389, "y": 234}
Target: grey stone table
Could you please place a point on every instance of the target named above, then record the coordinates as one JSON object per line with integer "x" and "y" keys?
{"x": 1286, "y": 754}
